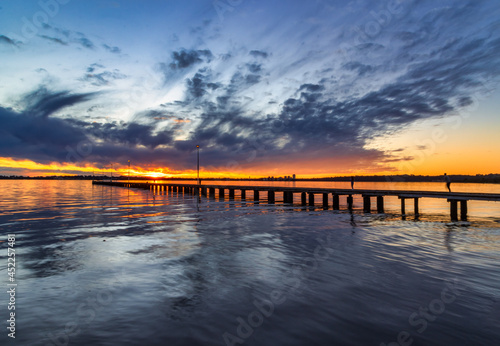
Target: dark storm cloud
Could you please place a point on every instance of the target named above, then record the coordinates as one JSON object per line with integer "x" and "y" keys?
{"x": 187, "y": 58}
{"x": 200, "y": 84}
{"x": 196, "y": 86}
{"x": 130, "y": 134}
{"x": 258, "y": 54}
{"x": 29, "y": 136}
{"x": 34, "y": 134}
{"x": 43, "y": 102}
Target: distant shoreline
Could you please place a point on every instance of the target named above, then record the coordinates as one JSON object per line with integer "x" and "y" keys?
{"x": 484, "y": 179}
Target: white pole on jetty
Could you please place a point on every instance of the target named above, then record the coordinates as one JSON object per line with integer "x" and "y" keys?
{"x": 198, "y": 163}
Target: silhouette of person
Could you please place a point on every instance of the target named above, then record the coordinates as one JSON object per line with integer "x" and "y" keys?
{"x": 448, "y": 181}
{"x": 352, "y": 183}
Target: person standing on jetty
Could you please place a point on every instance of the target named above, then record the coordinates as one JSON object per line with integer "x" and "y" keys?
{"x": 448, "y": 181}
{"x": 352, "y": 183}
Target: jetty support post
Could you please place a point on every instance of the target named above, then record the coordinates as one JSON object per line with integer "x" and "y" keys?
{"x": 287, "y": 197}
{"x": 221, "y": 194}
{"x": 350, "y": 202}
{"x": 211, "y": 192}
{"x": 270, "y": 197}
{"x": 367, "y": 207}
{"x": 403, "y": 206}
{"x": 325, "y": 201}
{"x": 336, "y": 201}
{"x": 380, "y": 204}
{"x": 463, "y": 210}
{"x": 256, "y": 196}
{"x": 231, "y": 193}
{"x": 243, "y": 194}
{"x": 311, "y": 199}
{"x": 453, "y": 209}
{"x": 415, "y": 206}
{"x": 303, "y": 198}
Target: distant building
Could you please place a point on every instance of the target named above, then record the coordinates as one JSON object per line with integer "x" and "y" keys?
{"x": 294, "y": 177}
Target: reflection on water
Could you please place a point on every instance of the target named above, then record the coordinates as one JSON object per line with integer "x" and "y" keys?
{"x": 113, "y": 266}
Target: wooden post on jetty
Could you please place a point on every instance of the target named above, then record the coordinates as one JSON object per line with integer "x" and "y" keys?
{"x": 270, "y": 197}
{"x": 380, "y": 204}
{"x": 367, "y": 204}
{"x": 463, "y": 210}
{"x": 311, "y": 199}
{"x": 256, "y": 196}
{"x": 288, "y": 197}
{"x": 243, "y": 194}
{"x": 325, "y": 200}
{"x": 453, "y": 209}
{"x": 303, "y": 198}
{"x": 350, "y": 202}
{"x": 336, "y": 201}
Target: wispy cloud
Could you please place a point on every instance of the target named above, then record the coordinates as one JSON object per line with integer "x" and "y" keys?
{"x": 7, "y": 41}
{"x": 54, "y": 40}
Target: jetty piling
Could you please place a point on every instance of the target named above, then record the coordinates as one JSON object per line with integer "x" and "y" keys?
{"x": 380, "y": 204}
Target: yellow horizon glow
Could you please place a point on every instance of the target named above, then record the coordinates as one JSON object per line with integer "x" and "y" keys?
{"x": 432, "y": 165}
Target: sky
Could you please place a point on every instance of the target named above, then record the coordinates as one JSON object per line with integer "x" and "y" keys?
{"x": 265, "y": 88}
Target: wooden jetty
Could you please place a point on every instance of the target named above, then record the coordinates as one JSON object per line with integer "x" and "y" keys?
{"x": 307, "y": 195}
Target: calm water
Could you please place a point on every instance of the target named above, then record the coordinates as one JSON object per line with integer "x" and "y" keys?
{"x": 110, "y": 266}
